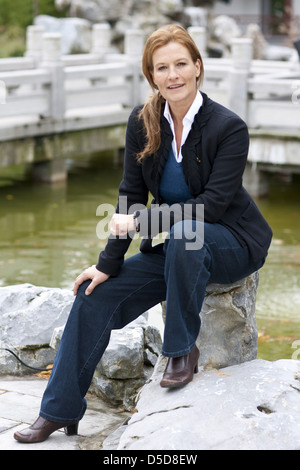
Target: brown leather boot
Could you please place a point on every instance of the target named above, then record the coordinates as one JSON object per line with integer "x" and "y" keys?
{"x": 41, "y": 429}
{"x": 180, "y": 370}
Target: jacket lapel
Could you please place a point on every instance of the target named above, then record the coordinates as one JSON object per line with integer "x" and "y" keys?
{"x": 189, "y": 149}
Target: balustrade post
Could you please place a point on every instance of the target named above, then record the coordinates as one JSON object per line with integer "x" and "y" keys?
{"x": 52, "y": 61}
{"x": 34, "y": 43}
{"x": 134, "y": 43}
{"x": 54, "y": 169}
{"x": 242, "y": 52}
{"x": 199, "y": 35}
{"x": 101, "y": 39}
{"x": 133, "y": 50}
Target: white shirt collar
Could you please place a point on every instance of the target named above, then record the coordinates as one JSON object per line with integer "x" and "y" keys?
{"x": 187, "y": 122}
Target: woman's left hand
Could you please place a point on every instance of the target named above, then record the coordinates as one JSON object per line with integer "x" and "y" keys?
{"x": 121, "y": 224}
{"x": 93, "y": 274}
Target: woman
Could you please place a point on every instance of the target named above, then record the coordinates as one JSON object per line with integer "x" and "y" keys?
{"x": 190, "y": 153}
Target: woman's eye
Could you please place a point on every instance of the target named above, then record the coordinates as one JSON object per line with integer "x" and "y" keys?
{"x": 181, "y": 64}
{"x": 161, "y": 68}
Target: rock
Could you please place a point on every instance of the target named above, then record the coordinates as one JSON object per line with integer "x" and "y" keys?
{"x": 228, "y": 332}
{"x": 124, "y": 356}
{"x": 153, "y": 344}
{"x": 127, "y": 14}
{"x": 171, "y": 7}
{"x": 259, "y": 43}
{"x": 56, "y": 337}
{"x": 195, "y": 16}
{"x": 96, "y": 10}
{"x": 76, "y": 33}
{"x": 250, "y": 406}
{"x": 224, "y": 29}
{"x": 264, "y": 51}
{"x": 32, "y": 321}
{"x": 127, "y": 362}
{"x": 119, "y": 393}
{"x": 279, "y": 53}
{"x": 30, "y": 313}
{"x": 34, "y": 358}
{"x": 28, "y": 316}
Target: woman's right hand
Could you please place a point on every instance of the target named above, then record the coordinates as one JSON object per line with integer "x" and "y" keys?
{"x": 96, "y": 276}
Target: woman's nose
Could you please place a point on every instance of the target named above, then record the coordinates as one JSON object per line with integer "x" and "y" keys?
{"x": 172, "y": 73}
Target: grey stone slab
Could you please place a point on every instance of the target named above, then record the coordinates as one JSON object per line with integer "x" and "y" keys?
{"x": 250, "y": 406}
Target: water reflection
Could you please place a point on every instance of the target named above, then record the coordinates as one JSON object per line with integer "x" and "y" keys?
{"x": 278, "y": 302}
{"x": 48, "y": 235}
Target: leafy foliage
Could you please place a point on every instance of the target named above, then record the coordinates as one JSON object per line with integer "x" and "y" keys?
{"x": 21, "y": 12}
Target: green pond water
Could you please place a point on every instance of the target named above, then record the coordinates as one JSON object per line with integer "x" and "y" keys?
{"x": 48, "y": 236}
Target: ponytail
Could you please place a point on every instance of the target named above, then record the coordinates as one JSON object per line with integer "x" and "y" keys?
{"x": 151, "y": 116}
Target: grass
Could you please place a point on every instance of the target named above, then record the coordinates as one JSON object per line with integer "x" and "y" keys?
{"x": 12, "y": 41}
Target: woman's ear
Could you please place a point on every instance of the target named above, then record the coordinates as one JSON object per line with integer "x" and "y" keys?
{"x": 198, "y": 66}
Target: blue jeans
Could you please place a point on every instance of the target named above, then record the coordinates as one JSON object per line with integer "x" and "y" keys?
{"x": 175, "y": 274}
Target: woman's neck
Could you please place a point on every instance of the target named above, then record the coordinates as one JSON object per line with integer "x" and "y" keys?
{"x": 178, "y": 113}
{"x": 179, "y": 110}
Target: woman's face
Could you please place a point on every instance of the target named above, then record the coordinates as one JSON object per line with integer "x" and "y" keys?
{"x": 175, "y": 74}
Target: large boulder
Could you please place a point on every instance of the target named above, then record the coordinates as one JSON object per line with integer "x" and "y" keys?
{"x": 250, "y": 406}
{"x": 76, "y": 33}
{"x": 96, "y": 10}
{"x": 228, "y": 333}
{"x": 28, "y": 316}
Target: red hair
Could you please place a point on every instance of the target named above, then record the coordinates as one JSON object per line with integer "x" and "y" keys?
{"x": 151, "y": 111}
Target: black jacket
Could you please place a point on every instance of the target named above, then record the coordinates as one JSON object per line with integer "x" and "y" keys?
{"x": 214, "y": 159}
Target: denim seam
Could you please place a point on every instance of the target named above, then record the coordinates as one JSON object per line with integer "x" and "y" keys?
{"x": 189, "y": 348}
{"x": 56, "y": 419}
{"x": 180, "y": 353}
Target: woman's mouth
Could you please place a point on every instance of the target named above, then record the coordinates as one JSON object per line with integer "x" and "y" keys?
{"x": 174, "y": 87}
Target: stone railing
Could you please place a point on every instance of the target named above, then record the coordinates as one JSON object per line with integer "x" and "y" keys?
{"x": 47, "y": 94}
{"x": 47, "y": 84}
{"x": 254, "y": 88}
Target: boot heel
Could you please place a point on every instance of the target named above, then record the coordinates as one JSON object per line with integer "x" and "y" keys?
{"x": 72, "y": 429}
{"x": 196, "y": 370}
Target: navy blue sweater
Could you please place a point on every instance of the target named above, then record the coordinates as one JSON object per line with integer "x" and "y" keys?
{"x": 173, "y": 187}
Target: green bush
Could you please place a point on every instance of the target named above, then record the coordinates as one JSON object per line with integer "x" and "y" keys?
{"x": 15, "y": 16}
{"x": 21, "y": 12}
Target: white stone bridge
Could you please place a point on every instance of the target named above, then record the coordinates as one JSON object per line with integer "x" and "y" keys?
{"x": 54, "y": 107}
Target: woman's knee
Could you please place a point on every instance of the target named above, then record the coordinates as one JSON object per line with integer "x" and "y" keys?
{"x": 82, "y": 288}
{"x": 188, "y": 235}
